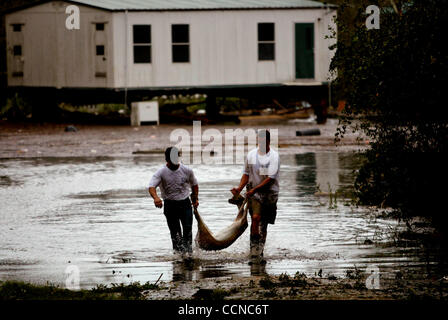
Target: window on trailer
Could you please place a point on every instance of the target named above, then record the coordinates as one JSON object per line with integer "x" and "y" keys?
{"x": 17, "y": 50}
{"x": 16, "y": 27}
{"x": 142, "y": 43}
{"x": 180, "y": 38}
{"x": 99, "y": 26}
{"x": 266, "y": 41}
{"x": 100, "y": 50}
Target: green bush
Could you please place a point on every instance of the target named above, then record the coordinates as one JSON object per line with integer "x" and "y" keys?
{"x": 393, "y": 80}
{"x": 16, "y": 108}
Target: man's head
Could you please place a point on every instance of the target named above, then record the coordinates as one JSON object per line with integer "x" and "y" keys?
{"x": 172, "y": 155}
{"x": 264, "y": 140}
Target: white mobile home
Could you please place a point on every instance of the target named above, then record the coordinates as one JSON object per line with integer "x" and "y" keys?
{"x": 126, "y": 44}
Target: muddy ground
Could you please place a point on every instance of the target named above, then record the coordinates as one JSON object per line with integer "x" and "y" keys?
{"x": 50, "y": 140}
{"x": 404, "y": 285}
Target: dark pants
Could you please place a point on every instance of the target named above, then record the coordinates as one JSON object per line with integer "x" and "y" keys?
{"x": 179, "y": 213}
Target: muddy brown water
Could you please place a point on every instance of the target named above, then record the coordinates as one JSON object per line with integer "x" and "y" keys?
{"x": 94, "y": 213}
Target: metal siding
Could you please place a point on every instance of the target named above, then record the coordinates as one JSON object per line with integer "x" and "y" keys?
{"x": 40, "y": 54}
{"x": 223, "y": 48}
{"x": 58, "y": 57}
{"x": 15, "y": 64}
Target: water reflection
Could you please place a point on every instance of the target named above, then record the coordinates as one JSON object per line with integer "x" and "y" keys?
{"x": 306, "y": 177}
{"x": 258, "y": 269}
{"x": 6, "y": 181}
{"x": 327, "y": 172}
{"x": 195, "y": 269}
{"x": 186, "y": 270}
{"x": 324, "y": 173}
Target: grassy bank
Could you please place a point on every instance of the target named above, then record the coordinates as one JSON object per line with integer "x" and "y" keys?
{"x": 15, "y": 290}
{"x": 403, "y": 285}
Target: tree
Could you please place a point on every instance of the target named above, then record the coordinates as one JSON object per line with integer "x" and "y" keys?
{"x": 393, "y": 80}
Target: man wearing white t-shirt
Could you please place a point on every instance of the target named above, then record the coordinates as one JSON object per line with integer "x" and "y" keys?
{"x": 261, "y": 173}
{"x": 176, "y": 181}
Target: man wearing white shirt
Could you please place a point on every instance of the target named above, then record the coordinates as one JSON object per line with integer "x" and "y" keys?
{"x": 261, "y": 173}
{"x": 176, "y": 181}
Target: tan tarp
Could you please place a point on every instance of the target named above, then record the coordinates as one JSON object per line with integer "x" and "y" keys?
{"x": 206, "y": 240}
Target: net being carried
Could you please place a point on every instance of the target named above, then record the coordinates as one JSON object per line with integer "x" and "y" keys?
{"x": 206, "y": 240}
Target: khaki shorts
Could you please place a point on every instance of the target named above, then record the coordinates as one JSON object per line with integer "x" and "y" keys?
{"x": 267, "y": 211}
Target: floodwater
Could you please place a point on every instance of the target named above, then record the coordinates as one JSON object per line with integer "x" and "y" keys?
{"x": 95, "y": 213}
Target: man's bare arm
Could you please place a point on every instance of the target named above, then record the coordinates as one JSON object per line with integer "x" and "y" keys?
{"x": 195, "y": 195}
{"x": 157, "y": 201}
{"x": 244, "y": 180}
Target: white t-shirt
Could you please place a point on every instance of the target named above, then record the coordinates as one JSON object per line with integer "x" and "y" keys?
{"x": 174, "y": 184}
{"x": 258, "y": 167}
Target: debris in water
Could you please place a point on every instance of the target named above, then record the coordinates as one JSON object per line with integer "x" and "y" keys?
{"x": 308, "y": 132}
{"x": 70, "y": 129}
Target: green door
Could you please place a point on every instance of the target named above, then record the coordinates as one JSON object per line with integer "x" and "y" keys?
{"x": 304, "y": 50}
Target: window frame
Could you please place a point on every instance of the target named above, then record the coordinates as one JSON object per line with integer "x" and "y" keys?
{"x": 142, "y": 44}
{"x": 103, "y": 28}
{"x": 18, "y": 26}
{"x": 14, "y": 53}
{"x": 180, "y": 44}
{"x": 262, "y": 42}
{"x": 103, "y": 49}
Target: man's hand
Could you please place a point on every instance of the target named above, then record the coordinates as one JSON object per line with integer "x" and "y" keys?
{"x": 235, "y": 191}
{"x": 250, "y": 193}
{"x": 244, "y": 180}
{"x": 158, "y": 202}
{"x": 196, "y": 203}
